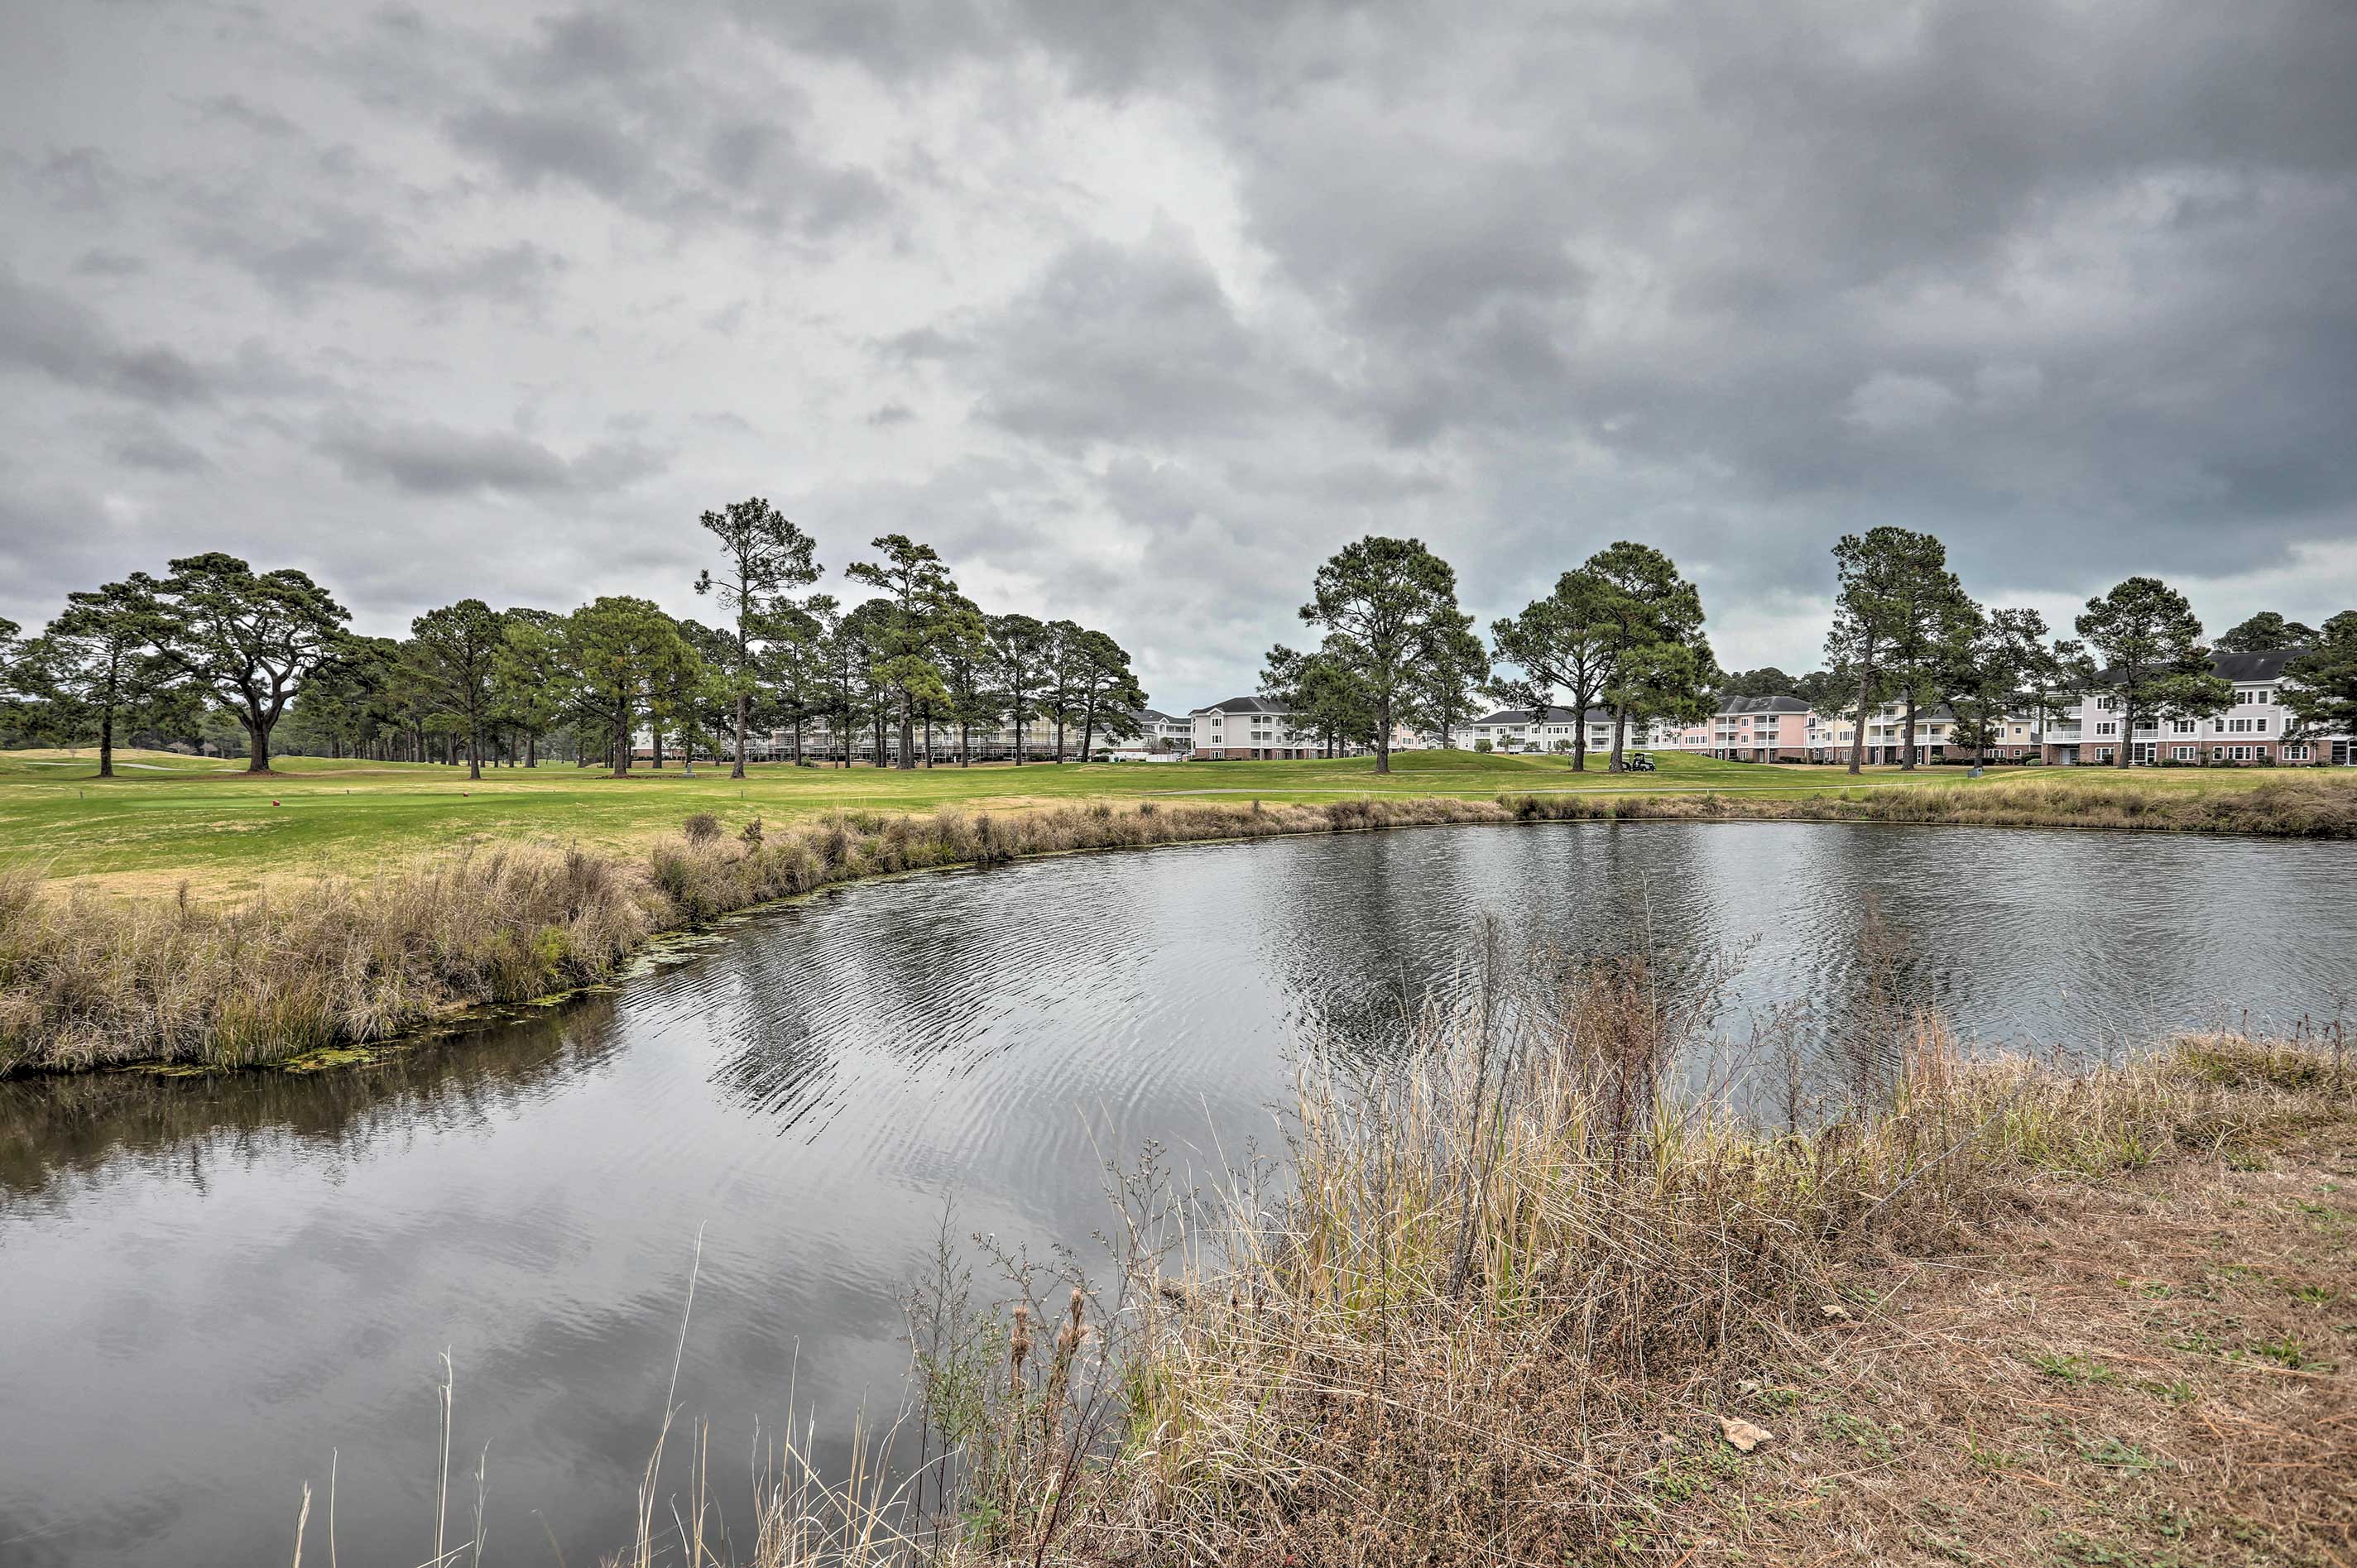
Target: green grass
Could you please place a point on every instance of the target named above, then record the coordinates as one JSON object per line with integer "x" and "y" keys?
{"x": 176, "y": 817}
{"x": 167, "y": 817}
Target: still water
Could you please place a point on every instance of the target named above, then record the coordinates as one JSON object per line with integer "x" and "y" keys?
{"x": 209, "y": 1289}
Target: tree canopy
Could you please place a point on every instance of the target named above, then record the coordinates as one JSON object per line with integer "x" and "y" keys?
{"x": 454, "y": 654}
{"x": 1573, "y": 640}
{"x": 766, "y": 560}
{"x": 2320, "y": 685}
{"x": 2155, "y": 664}
{"x": 248, "y": 638}
{"x": 2267, "y": 632}
{"x": 1384, "y": 604}
{"x": 1892, "y": 585}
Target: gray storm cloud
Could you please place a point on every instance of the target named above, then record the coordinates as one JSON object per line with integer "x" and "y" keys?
{"x": 1138, "y": 311}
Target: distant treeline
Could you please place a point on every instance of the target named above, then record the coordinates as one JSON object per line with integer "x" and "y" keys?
{"x": 216, "y": 652}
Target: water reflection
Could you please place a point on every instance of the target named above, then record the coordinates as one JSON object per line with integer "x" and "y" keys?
{"x": 204, "y": 1287}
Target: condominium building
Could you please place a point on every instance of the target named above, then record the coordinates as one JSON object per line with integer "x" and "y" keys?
{"x": 1248, "y": 729}
{"x": 1773, "y": 728}
{"x": 1160, "y": 738}
{"x": 1527, "y": 729}
{"x": 2256, "y": 728}
{"x": 1831, "y": 735}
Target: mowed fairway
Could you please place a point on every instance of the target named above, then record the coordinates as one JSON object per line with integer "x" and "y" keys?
{"x": 165, "y": 817}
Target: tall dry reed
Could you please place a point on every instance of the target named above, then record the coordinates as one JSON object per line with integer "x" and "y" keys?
{"x": 1439, "y": 1335}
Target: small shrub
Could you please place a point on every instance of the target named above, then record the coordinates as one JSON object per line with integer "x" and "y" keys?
{"x": 700, "y": 828}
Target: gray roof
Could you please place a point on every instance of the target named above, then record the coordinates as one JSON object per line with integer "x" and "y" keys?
{"x": 2268, "y": 666}
{"x": 1553, "y": 716}
{"x": 1242, "y": 706}
{"x": 1776, "y": 704}
{"x": 1155, "y": 716}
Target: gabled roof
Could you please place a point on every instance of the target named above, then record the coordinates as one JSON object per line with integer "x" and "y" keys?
{"x": 1155, "y": 716}
{"x": 1895, "y": 712}
{"x": 2268, "y": 666}
{"x": 1242, "y": 706}
{"x": 1772, "y": 703}
{"x": 1554, "y": 716}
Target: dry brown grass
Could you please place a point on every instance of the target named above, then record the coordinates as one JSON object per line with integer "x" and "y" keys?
{"x": 2148, "y": 1370}
{"x": 87, "y": 982}
{"x": 2305, "y": 804}
{"x": 1496, "y": 1306}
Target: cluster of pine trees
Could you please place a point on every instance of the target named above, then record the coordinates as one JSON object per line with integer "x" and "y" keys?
{"x": 1906, "y": 634}
{"x": 1623, "y": 630}
{"x": 916, "y": 673}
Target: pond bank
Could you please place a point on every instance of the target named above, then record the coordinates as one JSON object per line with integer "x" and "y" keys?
{"x": 1525, "y": 1309}
{"x": 89, "y": 983}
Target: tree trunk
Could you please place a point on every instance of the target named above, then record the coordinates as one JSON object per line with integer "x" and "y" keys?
{"x": 474, "y": 752}
{"x": 1907, "y": 740}
{"x": 257, "y": 750}
{"x": 1617, "y": 764}
{"x": 965, "y": 742}
{"x": 1865, "y": 692}
{"x": 1060, "y": 738}
{"x": 737, "y": 771}
{"x": 1019, "y": 742}
{"x": 1088, "y": 732}
{"x": 1579, "y": 738}
{"x": 2127, "y": 729}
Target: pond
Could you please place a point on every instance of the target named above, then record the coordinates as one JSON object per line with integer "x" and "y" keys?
{"x": 209, "y": 1289}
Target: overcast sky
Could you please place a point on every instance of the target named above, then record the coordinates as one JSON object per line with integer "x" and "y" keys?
{"x": 1139, "y": 310}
